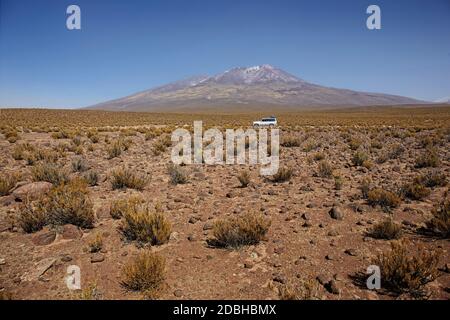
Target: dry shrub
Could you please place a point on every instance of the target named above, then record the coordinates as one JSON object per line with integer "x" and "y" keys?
{"x": 91, "y": 177}
{"x": 439, "y": 224}
{"x": 386, "y": 229}
{"x": 150, "y": 135}
{"x": 396, "y": 151}
{"x": 415, "y": 191}
{"x": 96, "y": 244}
{"x": 141, "y": 224}
{"x": 49, "y": 172}
{"x": 244, "y": 178}
{"x": 44, "y": 155}
{"x": 290, "y": 142}
{"x": 158, "y": 148}
{"x": 319, "y": 156}
{"x": 77, "y": 141}
{"x": 11, "y": 135}
{"x": 359, "y": 157}
{"x": 63, "y": 204}
{"x": 325, "y": 169}
{"x": 114, "y": 150}
{"x": 354, "y": 144}
{"x": 7, "y": 182}
{"x": 177, "y": 174}
{"x": 20, "y": 151}
{"x": 90, "y": 292}
{"x": 144, "y": 273}
{"x": 283, "y": 174}
{"x": 235, "y": 232}
{"x": 383, "y": 198}
{"x": 432, "y": 179}
{"x": 32, "y": 218}
{"x": 122, "y": 178}
{"x": 120, "y": 206}
{"x": 405, "y": 271}
{"x": 428, "y": 159}
{"x": 338, "y": 182}
{"x": 366, "y": 185}
{"x": 305, "y": 289}
{"x": 61, "y": 134}
{"x": 80, "y": 165}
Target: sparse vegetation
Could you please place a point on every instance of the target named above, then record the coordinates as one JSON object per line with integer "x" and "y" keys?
{"x": 125, "y": 178}
{"x": 290, "y": 142}
{"x": 235, "y": 232}
{"x": 283, "y": 174}
{"x": 338, "y": 182}
{"x": 407, "y": 270}
{"x": 146, "y": 226}
{"x": 96, "y": 244}
{"x": 7, "y": 182}
{"x": 244, "y": 178}
{"x": 383, "y": 198}
{"x": 144, "y": 273}
{"x": 63, "y": 204}
{"x": 386, "y": 229}
{"x": 439, "y": 224}
{"x": 432, "y": 179}
{"x": 120, "y": 206}
{"x": 177, "y": 174}
{"x": 49, "y": 172}
{"x": 303, "y": 289}
{"x": 325, "y": 169}
{"x": 428, "y": 159}
{"x": 91, "y": 177}
{"x": 359, "y": 157}
{"x": 415, "y": 191}
{"x": 79, "y": 165}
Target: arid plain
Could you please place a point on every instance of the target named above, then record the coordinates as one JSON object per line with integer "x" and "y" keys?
{"x": 95, "y": 189}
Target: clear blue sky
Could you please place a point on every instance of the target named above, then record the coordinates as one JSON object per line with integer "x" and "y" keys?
{"x": 128, "y": 46}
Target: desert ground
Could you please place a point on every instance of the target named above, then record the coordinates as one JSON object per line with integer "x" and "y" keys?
{"x": 357, "y": 187}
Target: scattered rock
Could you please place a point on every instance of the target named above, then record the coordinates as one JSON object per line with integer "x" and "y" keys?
{"x": 351, "y": 252}
{"x": 66, "y": 258}
{"x": 330, "y": 257}
{"x": 336, "y": 213}
{"x": 208, "y": 226}
{"x": 322, "y": 279}
{"x": 447, "y": 268}
{"x": 278, "y": 250}
{"x": 2, "y": 261}
{"x": 248, "y": 265}
{"x": 332, "y": 287}
{"x": 39, "y": 269}
{"x": 191, "y": 237}
{"x": 279, "y": 278}
{"x": 97, "y": 257}
{"x": 178, "y": 293}
{"x": 103, "y": 212}
{"x": 306, "y": 216}
{"x": 193, "y": 219}
{"x": 43, "y": 237}
{"x": 71, "y": 232}
{"x": 31, "y": 191}
{"x": 7, "y": 200}
{"x": 333, "y": 233}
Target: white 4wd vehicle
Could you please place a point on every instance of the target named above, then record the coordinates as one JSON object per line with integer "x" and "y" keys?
{"x": 266, "y": 122}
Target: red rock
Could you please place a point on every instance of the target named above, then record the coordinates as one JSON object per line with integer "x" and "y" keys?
{"x": 43, "y": 237}
{"x": 71, "y": 232}
{"x": 31, "y": 191}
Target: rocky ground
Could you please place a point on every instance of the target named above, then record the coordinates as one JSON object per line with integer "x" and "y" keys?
{"x": 318, "y": 231}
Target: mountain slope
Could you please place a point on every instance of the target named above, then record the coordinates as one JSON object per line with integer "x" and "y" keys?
{"x": 259, "y": 85}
